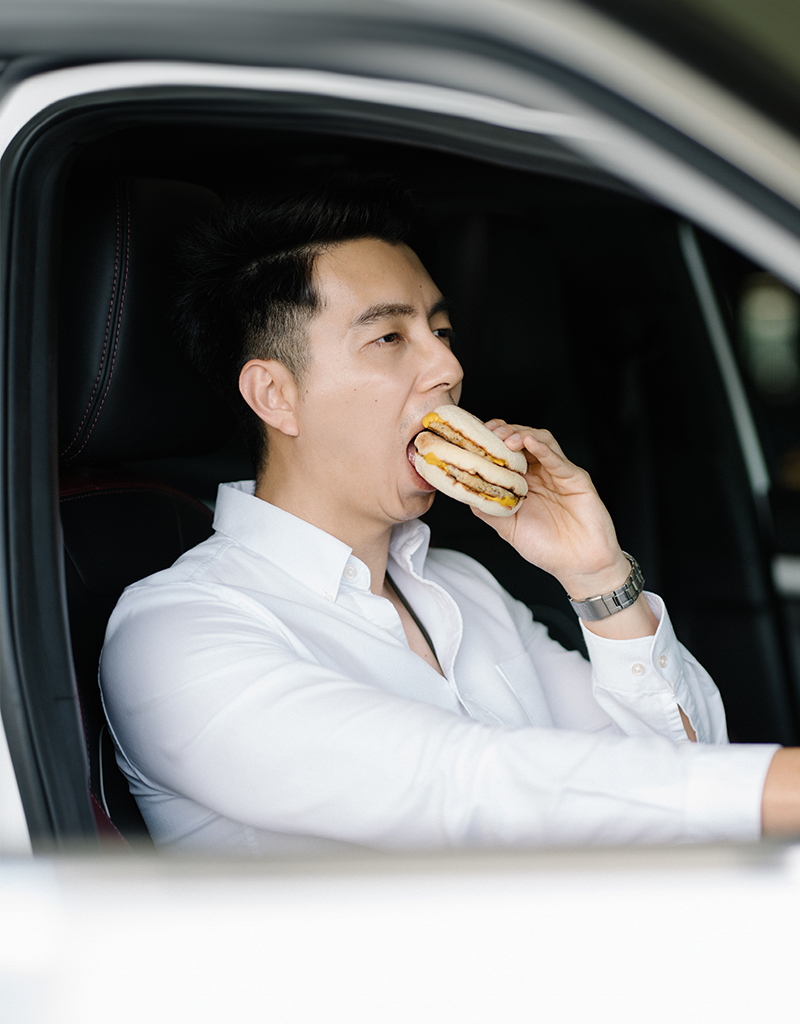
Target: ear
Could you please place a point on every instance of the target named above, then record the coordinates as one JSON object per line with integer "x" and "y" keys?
{"x": 270, "y": 390}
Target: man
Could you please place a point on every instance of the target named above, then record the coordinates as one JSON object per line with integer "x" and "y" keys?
{"x": 312, "y": 675}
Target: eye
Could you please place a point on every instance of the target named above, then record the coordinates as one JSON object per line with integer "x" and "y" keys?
{"x": 388, "y": 339}
{"x": 446, "y": 334}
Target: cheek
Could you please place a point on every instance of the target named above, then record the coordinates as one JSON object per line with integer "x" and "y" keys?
{"x": 353, "y": 396}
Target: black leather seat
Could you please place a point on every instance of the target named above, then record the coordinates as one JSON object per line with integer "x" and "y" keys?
{"x": 126, "y": 394}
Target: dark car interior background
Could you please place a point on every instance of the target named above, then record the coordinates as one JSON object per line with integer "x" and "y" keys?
{"x": 573, "y": 309}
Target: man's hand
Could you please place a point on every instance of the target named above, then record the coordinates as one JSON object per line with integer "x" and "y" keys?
{"x": 780, "y": 806}
{"x": 564, "y": 528}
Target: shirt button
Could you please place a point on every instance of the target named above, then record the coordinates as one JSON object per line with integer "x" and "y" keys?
{"x": 637, "y": 669}
{"x": 351, "y": 572}
{"x": 328, "y": 597}
{"x": 662, "y": 660}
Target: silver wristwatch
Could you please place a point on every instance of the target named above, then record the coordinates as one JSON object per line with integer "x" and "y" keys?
{"x": 607, "y": 604}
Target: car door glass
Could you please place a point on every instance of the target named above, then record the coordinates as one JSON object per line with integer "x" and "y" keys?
{"x": 768, "y": 324}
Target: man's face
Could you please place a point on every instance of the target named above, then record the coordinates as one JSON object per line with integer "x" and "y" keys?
{"x": 380, "y": 359}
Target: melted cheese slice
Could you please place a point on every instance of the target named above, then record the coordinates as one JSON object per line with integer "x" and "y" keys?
{"x": 432, "y": 417}
{"x": 432, "y": 460}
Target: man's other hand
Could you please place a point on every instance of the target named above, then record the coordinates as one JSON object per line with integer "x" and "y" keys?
{"x": 564, "y": 528}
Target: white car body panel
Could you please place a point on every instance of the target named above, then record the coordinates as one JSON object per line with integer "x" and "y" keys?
{"x": 612, "y": 147}
{"x": 690, "y": 935}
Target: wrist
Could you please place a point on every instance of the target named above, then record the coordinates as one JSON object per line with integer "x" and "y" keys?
{"x": 612, "y": 602}
{"x": 583, "y": 586}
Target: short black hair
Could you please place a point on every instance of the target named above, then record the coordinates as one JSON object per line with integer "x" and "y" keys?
{"x": 246, "y": 287}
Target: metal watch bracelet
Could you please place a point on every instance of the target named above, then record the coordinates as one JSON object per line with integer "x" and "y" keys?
{"x": 600, "y": 607}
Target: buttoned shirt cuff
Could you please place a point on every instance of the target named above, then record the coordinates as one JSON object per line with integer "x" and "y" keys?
{"x": 647, "y": 680}
{"x": 631, "y": 663}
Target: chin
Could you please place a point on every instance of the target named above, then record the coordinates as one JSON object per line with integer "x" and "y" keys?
{"x": 416, "y": 506}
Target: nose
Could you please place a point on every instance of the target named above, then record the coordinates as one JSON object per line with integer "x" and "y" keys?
{"x": 441, "y": 369}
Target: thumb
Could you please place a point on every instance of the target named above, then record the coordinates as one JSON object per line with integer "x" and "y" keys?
{"x": 503, "y": 525}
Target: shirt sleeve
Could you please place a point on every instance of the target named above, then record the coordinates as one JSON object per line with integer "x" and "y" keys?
{"x": 213, "y": 703}
{"x": 642, "y": 684}
{"x": 628, "y": 687}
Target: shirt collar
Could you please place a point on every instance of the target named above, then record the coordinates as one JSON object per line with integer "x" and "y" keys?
{"x": 302, "y": 551}
{"x": 409, "y": 545}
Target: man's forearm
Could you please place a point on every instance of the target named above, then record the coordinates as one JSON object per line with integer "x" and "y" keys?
{"x": 780, "y": 804}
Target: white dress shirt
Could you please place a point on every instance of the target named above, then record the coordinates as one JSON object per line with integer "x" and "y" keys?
{"x": 263, "y": 699}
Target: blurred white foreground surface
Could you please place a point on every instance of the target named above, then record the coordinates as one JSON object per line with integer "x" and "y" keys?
{"x": 688, "y": 934}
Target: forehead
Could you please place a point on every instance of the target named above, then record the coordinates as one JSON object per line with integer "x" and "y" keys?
{"x": 352, "y": 277}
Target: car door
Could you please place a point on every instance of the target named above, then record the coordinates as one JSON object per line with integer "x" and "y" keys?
{"x": 529, "y": 93}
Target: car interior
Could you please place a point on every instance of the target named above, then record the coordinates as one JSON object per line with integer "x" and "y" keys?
{"x": 573, "y": 309}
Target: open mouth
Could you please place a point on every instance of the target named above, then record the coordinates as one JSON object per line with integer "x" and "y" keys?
{"x": 411, "y": 451}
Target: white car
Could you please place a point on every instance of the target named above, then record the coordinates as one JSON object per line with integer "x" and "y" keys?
{"x": 616, "y": 191}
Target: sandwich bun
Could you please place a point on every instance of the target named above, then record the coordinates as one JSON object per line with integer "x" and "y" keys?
{"x": 461, "y": 428}
{"x": 469, "y": 477}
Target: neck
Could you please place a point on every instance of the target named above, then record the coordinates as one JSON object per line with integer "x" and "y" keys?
{"x": 375, "y": 556}
{"x": 368, "y": 540}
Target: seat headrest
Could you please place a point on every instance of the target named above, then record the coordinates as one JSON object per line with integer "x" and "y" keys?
{"x": 126, "y": 392}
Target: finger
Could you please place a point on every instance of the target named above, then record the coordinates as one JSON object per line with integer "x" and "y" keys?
{"x": 514, "y": 435}
{"x": 548, "y": 453}
{"x": 555, "y": 467}
{"x": 533, "y": 438}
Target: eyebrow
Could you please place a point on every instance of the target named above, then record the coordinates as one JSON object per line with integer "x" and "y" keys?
{"x": 386, "y": 310}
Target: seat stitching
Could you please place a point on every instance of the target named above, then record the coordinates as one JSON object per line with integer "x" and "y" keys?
{"x": 108, "y": 329}
{"x": 119, "y": 324}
